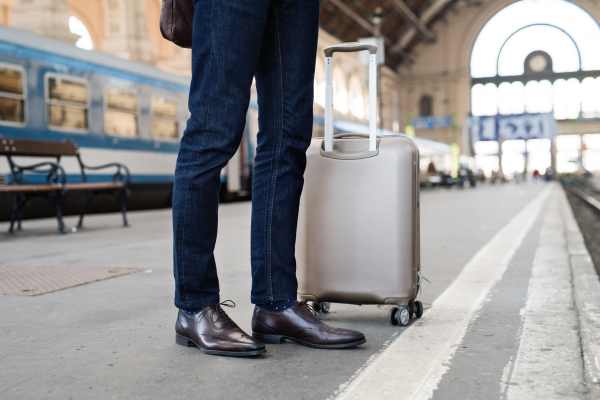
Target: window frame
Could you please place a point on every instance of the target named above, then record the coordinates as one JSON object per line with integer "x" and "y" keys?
{"x": 48, "y": 101}
{"x": 22, "y": 97}
{"x": 137, "y": 113}
{"x": 177, "y": 120}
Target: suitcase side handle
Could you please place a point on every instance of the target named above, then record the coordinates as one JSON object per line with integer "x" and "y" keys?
{"x": 351, "y": 47}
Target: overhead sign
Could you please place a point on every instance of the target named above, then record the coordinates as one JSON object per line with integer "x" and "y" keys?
{"x": 444, "y": 121}
{"x": 512, "y": 127}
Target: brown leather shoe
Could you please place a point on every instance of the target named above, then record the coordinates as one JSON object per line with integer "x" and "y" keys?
{"x": 215, "y": 333}
{"x": 301, "y": 324}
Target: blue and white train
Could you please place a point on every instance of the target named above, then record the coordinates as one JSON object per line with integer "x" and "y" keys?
{"x": 115, "y": 110}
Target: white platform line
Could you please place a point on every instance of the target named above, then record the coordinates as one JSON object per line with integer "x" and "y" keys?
{"x": 586, "y": 287}
{"x": 412, "y": 366}
{"x": 548, "y": 364}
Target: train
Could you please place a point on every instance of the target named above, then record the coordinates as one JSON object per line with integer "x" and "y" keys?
{"x": 116, "y": 110}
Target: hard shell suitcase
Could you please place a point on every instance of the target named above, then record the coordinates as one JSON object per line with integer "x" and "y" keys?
{"x": 358, "y": 228}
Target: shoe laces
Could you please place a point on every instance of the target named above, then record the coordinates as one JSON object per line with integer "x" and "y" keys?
{"x": 305, "y": 306}
{"x": 220, "y": 315}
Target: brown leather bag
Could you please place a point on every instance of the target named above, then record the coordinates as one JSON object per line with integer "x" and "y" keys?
{"x": 177, "y": 21}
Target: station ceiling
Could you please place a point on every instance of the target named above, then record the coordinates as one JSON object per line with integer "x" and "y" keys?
{"x": 404, "y": 24}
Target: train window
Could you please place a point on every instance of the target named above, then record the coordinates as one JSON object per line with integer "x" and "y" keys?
{"x": 67, "y": 103}
{"x": 165, "y": 118}
{"x": 120, "y": 116}
{"x": 12, "y": 95}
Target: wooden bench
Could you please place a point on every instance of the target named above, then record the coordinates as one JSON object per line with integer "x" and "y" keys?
{"x": 56, "y": 186}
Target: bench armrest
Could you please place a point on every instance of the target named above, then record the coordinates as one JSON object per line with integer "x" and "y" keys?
{"x": 54, "y": 172}
{"x": 121, "y": 174}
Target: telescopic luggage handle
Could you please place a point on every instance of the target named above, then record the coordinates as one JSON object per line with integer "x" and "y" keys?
{"x": 347, "y": 48}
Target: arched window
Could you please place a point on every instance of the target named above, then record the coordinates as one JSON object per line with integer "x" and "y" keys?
{"x": 426, "y": 106}
{"x": 356, "y": 100}
{"x": 522, "y": 48}
{"x": 340, "y": 93}
{"x": 78, "y": 28}
{"x": 554, "y": 26}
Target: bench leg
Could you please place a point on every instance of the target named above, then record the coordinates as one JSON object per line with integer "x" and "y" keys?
{"x": 58, "y": 201}
{"x": 123, "y": 197}
{"x": 83, "y": 208}
{"x": 20, "y": 216}
{"x": 13, "y": 217}
{"x": 61, "y": 225}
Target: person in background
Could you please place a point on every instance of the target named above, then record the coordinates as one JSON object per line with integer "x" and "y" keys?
{"x": 274, "y": 41}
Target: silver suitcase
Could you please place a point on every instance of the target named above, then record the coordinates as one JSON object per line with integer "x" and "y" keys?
{"x": 358, "y": 228}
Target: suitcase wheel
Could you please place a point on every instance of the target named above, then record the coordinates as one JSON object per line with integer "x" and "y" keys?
{"x": 418, "y": 307}
{"x": 403, "y": 317}
{"x": 411, "y": 310}
{"x": 322, "y": 307}
{"x": 392, "y": 316}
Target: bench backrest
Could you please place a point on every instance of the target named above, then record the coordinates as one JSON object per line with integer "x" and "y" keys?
{"x": 37, "y": 148}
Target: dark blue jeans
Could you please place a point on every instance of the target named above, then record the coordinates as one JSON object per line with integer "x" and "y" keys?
{"x": 235, "y": 40}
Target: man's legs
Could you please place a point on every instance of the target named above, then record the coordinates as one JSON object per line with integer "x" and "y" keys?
{"x": 284, "y": 81}
{"x": 226, "y": 44}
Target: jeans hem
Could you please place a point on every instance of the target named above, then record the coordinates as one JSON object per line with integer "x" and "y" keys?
{"x": 195, "y": 305}
{"x": 275, "y": 297}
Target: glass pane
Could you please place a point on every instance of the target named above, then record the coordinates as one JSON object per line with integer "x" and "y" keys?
{"x": 165, "y": 108}
{"x": 120, "y": 100}
{"x": 513, "y": 163}
{"x": 559, "y": 93}
{"x": 538, "y": 145}
{"x": 517, "y": 98}
{"x": 532, "y": 97}
{"x": 513, "y": 146}
{"x": 568, "y": 142}
{"x": 11, "y": 81}
{"x": 11, "y": 110}
{"x": 539, "y": 161}
{"x": 120, "y": 123}
{"x": 504, "y": 104}
{"x": 67, "y": 117}
{"x": 491, "y": 99}
{"x": 588, "y": 91}
{"x": 591, "y": 160}
{"x": 486, "y": 148}
{"x": 477, "y": 100}
{"x": 573, "y": 98}
{"x": 164, "y": 129}
{"x": 591, "y": 141}
{"x": 566, "y": 161}
{"x": 487, "y": 164}
{"x": 545, "y": 99}
{"x": 65, "y": 90}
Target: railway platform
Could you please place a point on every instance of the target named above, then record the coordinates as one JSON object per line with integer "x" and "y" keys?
{"x": 512, "y": 311}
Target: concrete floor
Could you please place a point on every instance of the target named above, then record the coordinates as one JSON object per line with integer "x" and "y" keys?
{"x": 115, "y": 339}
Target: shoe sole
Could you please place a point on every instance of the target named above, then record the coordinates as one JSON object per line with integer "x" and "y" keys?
{"x": 187, "y": 342}
{"x": 277, "y": 339}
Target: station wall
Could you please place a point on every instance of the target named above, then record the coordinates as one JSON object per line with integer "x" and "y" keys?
{"x": 438, "y": 72}
{"x": 442, "y": 69}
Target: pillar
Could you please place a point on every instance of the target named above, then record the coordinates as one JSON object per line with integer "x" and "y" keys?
{"x": 44, "y": 17}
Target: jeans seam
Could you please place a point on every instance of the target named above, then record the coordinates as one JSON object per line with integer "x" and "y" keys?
{"x": 187, "y": 192}
{"x": 274, "y": 176}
